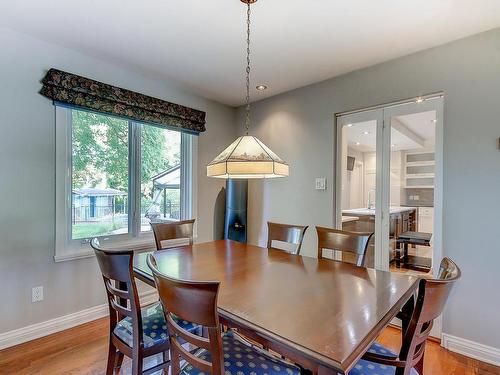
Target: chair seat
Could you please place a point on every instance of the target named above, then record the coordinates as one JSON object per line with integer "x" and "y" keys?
{"x": 364, "y": 367}
{"x": 241, "y": 357}
{"x": 154, "y": 327}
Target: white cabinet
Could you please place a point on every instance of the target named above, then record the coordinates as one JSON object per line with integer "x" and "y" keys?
{"x": 426, "y": 219}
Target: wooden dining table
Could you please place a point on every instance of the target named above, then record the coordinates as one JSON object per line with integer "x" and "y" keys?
{"x": 321, "y": 314}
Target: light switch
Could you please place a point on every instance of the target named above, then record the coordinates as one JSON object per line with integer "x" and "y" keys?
{"x": 321, "y": 183}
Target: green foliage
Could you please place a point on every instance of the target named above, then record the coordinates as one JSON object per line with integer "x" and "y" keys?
{"x": 101, "y": 150}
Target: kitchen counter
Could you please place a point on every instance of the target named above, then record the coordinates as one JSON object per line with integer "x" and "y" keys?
{"x": 346, "y": 219}
{"x": 401, "y": 219}
{"x": 371, "y": 212}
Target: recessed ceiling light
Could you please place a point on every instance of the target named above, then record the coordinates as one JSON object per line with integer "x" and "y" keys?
{"x": 349, "y": 125}
{"x": 420, "y": 99}
{"x": 366, "y": 133}
{"x": 357, "y": 143}
{"x": 434, "y": 121}
{"x": 261, "y": 87}
{"x": 393, "y": 145}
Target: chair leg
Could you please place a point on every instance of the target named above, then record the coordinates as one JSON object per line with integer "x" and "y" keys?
{"x": 119, "y": 359}
{"x": 137, "y": 363}
{"x": 110, "y": 369}
{"x": 420, "y": 365}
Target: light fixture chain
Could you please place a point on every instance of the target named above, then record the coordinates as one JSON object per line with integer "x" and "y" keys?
{"x": 247, "y": 122}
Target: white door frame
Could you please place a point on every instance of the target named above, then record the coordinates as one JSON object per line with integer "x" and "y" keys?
{"x": 381, "y": 257}
{"x": 382, "y": 114}
{"x": 431, "y": 104}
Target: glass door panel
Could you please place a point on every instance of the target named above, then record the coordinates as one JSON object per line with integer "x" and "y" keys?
{"x": 413, "y": 169}
{"x": 410, "y": 132}
{"x": 358, "y": 195}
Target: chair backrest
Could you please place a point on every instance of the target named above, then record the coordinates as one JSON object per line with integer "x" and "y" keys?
{"x": 354, "y": 243}
{"x": 292, "y": 234}
{"x": 196, "y": 302}
{"x": 172, "y": 231}
{"x": 431, "y": 299}
{"x": 123, "y": 300}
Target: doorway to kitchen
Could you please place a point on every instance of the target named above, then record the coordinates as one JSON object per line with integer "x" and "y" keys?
{"x": 389, "y": 181}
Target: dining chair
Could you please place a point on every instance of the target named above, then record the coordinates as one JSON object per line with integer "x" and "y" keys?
{"x": 291, "y": 234}
{"x": 447, "y": 270}
{"x": 431, "y": 298}
{"x": 134, "y": 332}
{"x": 352, "y": 245}
{"x": 219, "y": 353}
{"x": 173, "y": 230}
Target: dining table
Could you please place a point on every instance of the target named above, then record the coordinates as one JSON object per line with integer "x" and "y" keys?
{"x": 319, "y": 313}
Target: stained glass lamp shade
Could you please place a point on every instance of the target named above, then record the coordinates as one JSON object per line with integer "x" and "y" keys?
{"x": 246, "y": 158}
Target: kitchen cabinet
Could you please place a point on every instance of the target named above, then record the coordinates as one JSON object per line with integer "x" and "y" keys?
{"x": 426, "y": 219}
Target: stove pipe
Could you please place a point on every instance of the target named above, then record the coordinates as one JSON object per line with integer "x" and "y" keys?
{"x": 235, "y": 224}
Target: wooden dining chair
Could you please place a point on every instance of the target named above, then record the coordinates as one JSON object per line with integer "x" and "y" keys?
{"x": 219, "y": 353}
{"x": 447, "y": 270}
{"x": 134, "y": 332}
{"x": 173, "y": 230}
{"x": 352, "y": 245}
{"x": 431, "y": 299}
{"x": 291, "y": 234}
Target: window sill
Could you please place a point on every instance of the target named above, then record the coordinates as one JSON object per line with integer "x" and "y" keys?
{"x": 73, "y": 256}
{"x": 142, "y": 244}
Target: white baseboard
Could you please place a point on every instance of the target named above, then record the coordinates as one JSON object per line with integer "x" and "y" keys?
{"x": 471, "y": 349}
{"x": 37, "y": 330}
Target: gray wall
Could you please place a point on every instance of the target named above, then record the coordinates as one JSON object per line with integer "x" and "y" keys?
{"x": 27, "y": 173}
{"x": 298, "y": 126}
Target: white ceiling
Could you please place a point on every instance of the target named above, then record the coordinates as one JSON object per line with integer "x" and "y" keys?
{"x": 200, "y": 43}
{"x": 412, "y": 132}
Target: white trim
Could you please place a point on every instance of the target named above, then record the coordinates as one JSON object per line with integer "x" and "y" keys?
{"x": 481, "y": 352}
{"x": 69, "y": 249}
{"x": 144, "y": 243}
{"x": 37, "y": 330}
{"x": 381, "y": 217}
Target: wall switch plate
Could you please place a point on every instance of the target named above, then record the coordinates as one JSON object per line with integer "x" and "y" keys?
{"x": 321, "y": 183}
{"x": 37, "y": 294}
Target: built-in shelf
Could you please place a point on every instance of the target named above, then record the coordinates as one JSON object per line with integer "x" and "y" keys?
{"x": 417, "y": 157}
{"x": 419, "y": 170}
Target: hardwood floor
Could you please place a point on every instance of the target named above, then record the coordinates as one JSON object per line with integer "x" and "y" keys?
{"x": 83, "y": 350}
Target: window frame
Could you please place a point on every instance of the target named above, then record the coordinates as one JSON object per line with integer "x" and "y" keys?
{"x": 67, "y": 248}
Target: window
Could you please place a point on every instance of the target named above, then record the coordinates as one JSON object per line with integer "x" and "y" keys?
{"x": 114, "y": 177}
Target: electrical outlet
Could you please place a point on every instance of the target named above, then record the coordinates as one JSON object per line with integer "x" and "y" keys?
{"x": 37, "y": 294}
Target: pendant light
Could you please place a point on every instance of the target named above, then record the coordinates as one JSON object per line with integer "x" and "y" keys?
{"x": 247, "y": 157}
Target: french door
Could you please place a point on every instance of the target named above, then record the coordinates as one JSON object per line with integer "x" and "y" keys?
{"x": 360, "y": 144}
{"x": 389, "y": 167}
{"x": 377, "y": 178}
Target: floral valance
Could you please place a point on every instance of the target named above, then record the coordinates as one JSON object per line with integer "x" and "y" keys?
{"x": 100, "y": 97}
